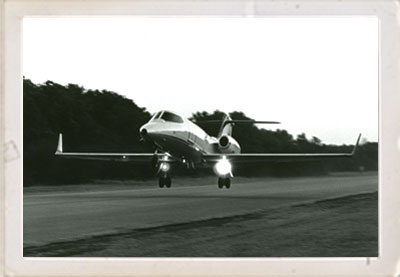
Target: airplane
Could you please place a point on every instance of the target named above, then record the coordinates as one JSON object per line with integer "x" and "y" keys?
{"x": 180, "y": 141}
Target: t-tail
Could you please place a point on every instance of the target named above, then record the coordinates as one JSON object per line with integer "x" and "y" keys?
{"x": 228, "y": 123}
{"x": 226, "y": 127}
{"x": 226, "y": 143}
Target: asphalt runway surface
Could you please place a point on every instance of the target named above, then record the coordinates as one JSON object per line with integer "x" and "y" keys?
{"x": 53, "y": 217}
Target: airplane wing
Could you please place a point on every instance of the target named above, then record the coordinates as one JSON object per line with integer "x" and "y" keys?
{"x": 119, "y": 157}
{"x": 277, "y": 157}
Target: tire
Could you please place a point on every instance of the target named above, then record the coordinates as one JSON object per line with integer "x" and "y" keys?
{"x": 227, "y": 183}
{"x": 168, "y": 182}
{"x": 220, "y": 183}
{"x": 161, "y": 182}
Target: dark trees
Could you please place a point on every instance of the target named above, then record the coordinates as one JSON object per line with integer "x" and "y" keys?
{"x": 103, "y": 121}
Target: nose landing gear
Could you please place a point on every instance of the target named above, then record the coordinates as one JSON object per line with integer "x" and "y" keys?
{"x": 224, "y": 182}
{"x": 164, "y": 181}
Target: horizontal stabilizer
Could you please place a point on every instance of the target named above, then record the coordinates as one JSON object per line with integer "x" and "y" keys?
{"x": 250, "y": 122}
{"x": 239, "y": 121}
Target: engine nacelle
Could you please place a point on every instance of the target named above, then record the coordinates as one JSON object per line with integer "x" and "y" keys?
{"x": 228, "y": 144}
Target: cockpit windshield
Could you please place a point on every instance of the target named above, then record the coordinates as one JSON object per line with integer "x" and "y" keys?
{"x": 167, "y": 116}
{"x": 158, "y": 114}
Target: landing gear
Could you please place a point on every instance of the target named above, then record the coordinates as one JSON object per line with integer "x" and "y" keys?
{"x": 220, "y": 183}
{"x": 164, "y": 181}
{"x": 227, "y": 183}
{"x": 224, "y": 182}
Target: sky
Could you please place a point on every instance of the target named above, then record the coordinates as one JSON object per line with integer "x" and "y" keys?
{"x": 316, "y": 75}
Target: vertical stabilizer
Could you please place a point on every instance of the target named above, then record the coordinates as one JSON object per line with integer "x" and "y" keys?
{"x": 226, "y": 128}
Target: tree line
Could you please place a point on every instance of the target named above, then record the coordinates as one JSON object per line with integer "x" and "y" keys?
{"x": 104, "y": 121}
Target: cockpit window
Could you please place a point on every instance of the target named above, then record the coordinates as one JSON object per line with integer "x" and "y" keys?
{"x": 157, "y": 115}
{"x": 167, "y": 116}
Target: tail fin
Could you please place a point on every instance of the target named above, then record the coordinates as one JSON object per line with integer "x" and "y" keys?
{"x": 226, "y": 126}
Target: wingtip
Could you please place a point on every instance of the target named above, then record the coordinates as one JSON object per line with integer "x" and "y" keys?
{"x": 359, "y": 137}
{"x": 356, "y": 145}
{"x": 60, "y": 144}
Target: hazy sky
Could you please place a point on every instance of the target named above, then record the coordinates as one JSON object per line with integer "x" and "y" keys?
{"x": 315, "y": 75}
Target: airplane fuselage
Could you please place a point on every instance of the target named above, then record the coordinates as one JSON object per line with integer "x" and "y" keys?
{"x": 181, "y": 138}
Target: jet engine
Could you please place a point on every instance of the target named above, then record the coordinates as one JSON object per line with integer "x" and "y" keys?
{"x": 228, "y": 144}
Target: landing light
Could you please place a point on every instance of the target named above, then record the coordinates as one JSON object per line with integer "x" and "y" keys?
{"x": 223, "y": 167}
{"x": 164, "y": 167}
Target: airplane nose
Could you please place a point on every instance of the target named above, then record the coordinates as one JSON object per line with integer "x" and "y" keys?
{"x": 147, "y": 132}
{"x": 143, "y": 132}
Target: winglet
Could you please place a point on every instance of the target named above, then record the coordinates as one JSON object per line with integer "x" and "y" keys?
{"x": 355, "y": 146}
{"x": 60, "y": 144}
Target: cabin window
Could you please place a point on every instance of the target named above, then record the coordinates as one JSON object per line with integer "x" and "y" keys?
{"x": 167, "y": 116}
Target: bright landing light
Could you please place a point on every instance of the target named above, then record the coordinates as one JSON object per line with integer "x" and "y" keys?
{"x": 223, "y": 167}
{"x": 164, "y": 167}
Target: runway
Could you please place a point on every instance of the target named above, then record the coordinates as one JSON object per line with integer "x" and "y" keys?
{"x": 67, "y": 216}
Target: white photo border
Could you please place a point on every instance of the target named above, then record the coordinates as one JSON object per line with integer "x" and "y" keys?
{"x": 13, "y": 262}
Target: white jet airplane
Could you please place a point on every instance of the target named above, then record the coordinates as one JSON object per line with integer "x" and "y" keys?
{"x": 179, "y": 140}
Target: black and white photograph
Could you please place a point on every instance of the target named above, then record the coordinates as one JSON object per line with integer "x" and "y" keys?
{"x": 200, "y": 136}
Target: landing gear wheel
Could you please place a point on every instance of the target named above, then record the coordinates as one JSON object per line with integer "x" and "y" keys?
{"x": 227, "y": 183}
{"x": 168, "y": 182}
{"x": 220, "y": 183}
{"x": 164, "y": 181}
{"x": 224, "y": 182}
{"x": 161, "y": 182}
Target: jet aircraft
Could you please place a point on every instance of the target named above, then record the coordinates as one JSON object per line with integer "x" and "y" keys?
{"x": 179, "y": 140}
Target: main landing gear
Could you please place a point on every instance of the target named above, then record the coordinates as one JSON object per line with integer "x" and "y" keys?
{"x": 224, "y": 182}
{"x": 164, "y": 181}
